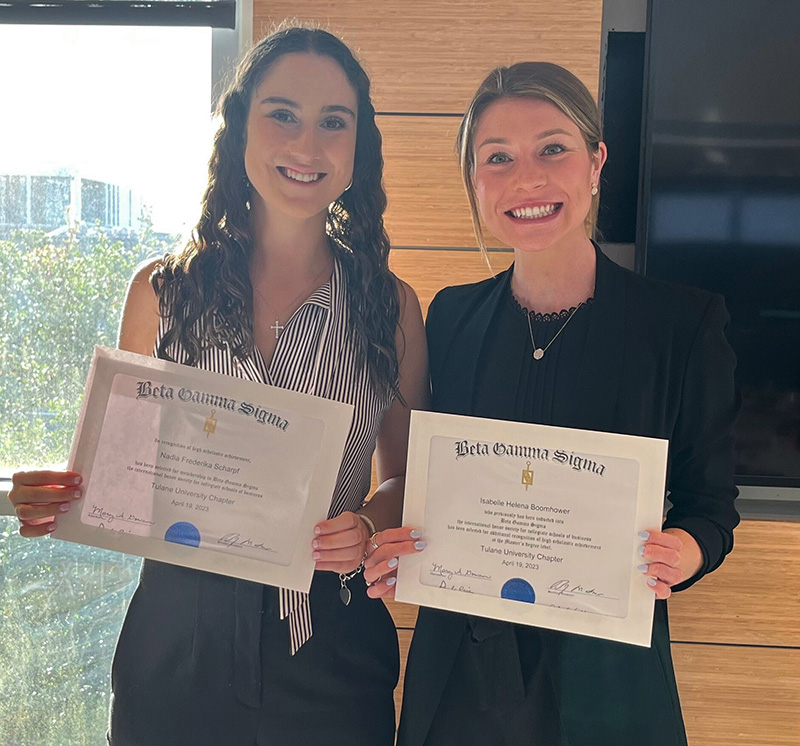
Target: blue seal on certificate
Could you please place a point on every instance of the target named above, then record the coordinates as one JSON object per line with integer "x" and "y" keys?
{"x": 518, "y": 589}
{"x": 183, "y": 533}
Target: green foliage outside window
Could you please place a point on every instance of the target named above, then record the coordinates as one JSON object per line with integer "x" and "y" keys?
{"x": 61, "y": 604}
{"x": 58, "y": 298}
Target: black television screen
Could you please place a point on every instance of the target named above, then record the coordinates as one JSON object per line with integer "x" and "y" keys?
{"x": 720, "y": 197}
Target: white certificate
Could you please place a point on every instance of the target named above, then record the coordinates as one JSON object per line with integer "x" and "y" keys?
{"x": 532, "y": 524}
{"x": 203, "y": 470}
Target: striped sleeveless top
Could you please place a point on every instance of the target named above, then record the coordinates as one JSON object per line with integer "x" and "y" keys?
{"x": 314, "y": 355}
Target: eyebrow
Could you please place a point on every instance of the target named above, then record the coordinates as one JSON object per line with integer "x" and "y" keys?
{"x": 338, "y": 108}
{"x": 549, "y": 133}
{"x": 333, "y": 108}
{"x": 540, "y": 136}
{"x": 494, "y": 141}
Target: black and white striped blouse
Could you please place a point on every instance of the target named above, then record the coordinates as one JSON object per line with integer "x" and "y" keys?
{"x": 315, "y": 355}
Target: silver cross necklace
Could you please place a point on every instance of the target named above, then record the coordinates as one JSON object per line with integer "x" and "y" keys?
{"x": 277, "y": 327}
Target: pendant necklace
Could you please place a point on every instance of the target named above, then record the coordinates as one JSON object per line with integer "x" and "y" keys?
{"x": 277, "y": 327}
{"x": 538, "y": 352}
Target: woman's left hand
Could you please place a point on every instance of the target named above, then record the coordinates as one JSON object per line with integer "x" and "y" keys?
{"x": 380, "y": 567}
{"x": 339, "y": 543}
{"x": 672, "y": 556}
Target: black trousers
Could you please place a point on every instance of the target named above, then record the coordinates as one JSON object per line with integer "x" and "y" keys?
{"x": 465, "y": 720}
{"x": 203, "y": 660}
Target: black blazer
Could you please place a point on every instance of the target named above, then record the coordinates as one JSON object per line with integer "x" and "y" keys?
{"x": 657, "y": 364}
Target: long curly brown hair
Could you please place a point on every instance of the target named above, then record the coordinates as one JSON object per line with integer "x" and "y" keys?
{"x": 206, "y": 286}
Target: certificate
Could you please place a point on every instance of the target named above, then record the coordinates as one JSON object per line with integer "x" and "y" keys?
{"x": 203, "y": 470}
{"x": 532, "y": 524}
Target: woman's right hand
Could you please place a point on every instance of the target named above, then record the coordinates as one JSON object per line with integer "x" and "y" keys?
{"x": 39, "y": 496}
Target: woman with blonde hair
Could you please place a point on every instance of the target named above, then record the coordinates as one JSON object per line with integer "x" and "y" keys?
{"x": 568, "y": 338}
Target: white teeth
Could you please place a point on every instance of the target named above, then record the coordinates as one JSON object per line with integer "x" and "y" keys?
{"x": 297, "y": 176}
{"x": 534, "y": 212}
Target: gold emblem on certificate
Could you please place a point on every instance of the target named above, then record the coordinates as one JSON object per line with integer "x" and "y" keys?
{"x": 527, "y": 476}
{"x": 211, "y": 424}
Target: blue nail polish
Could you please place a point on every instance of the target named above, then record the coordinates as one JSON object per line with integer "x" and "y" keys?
{"x": 415, "y": 534}
{"x": 391, "y": 581}
{"x": 641, "y": 551}
{"x": 420, "y": 544}
{"x": 392, "y": 562}
{"x": 315, "y": 555}
{"x": 644, "y": 535}
{"x": 651, "y": 581}
{"x": 642, "y": 568}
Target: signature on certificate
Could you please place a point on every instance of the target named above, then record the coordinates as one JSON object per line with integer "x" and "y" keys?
{"x": 445, "y": 572}
{"x": 453, "y": 587}
{"x": 568, "y": 588}
{"x": 106, "y": 516}
{"x": 237, "y": 541}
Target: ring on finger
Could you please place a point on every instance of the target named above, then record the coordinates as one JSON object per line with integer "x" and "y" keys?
{"x": 372, "y": 541}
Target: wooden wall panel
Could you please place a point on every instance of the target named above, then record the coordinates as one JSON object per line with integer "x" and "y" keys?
{"x": 739, "y": 696}
{"x": 753, "y": 599}
{"x": 428, "y": 271}
{"x": 429, "y": 56}
{"x": 427, "y": 202}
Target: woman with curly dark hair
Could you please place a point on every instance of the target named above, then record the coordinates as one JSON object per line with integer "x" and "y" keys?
{"x": 285, "y": 281}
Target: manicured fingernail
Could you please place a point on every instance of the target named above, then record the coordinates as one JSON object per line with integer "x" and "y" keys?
{"x": 317, "y": 530}
{"x": 642, "y": 568}
{"x": 315, "y": 544}
{"x": 420, "y": 544}
{"x": 415, "y": 534}
{"x": 641, "y": 551}
{"x": 64, "y": 507}
{"x": 651, "y": 581}
{"x": 391, "y": 581}
{"x": 315, "y": 555}
{"x": 76, "y": 494}
{"x": 51, "y": 527}
{"x": 644, "y": 535}
{"x": 77, "y": 480}
{"x": 392, "y": 562}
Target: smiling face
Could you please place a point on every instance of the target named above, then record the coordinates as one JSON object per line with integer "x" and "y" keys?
{"x": 533, "y": 174}
{"x": 301, "y": 136}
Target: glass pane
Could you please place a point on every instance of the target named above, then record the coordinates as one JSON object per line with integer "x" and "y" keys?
{"x": 107, "y": 168}
{"x": 61, "y": 607}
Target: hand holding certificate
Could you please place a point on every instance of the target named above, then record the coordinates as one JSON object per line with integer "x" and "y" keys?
{"x": 203, "y": 470}
{"x": 532, "y": 524}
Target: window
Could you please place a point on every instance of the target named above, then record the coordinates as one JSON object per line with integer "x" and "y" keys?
{"x": 105, "y": 139}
